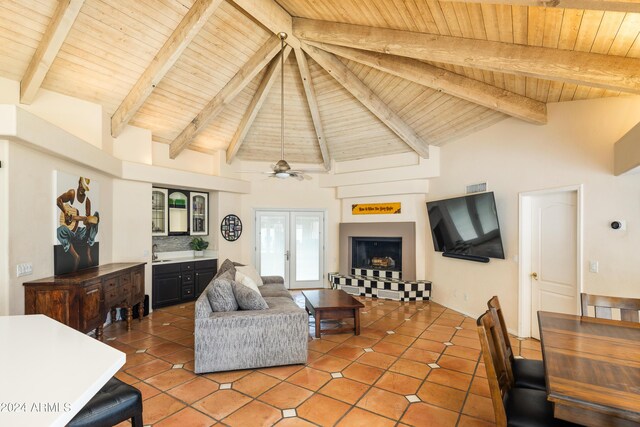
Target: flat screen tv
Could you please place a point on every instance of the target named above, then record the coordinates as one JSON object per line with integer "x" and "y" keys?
{"x": 466, "y": 227}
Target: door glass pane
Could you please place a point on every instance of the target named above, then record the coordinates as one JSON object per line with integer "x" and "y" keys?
{"x": 272, "y": 244}
{"x": 307, "y": 247}
{"x": 198, "y": 210}
{"x": 158, "y": 211}
{"x": 178, "y": 220}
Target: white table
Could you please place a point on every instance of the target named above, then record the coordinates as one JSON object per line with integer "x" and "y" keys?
{"x": 49, "y": 371}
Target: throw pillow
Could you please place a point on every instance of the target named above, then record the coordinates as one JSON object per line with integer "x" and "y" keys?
{"x": 250, "y": 271}
{"x": 247, "y": 298}
{"x": 220, "y": 294}
{"x": 246, "y": 280}
{"x": 227, "y": 265}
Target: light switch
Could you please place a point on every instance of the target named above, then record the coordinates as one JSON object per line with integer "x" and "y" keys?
{"x": 593, "y": 266}
{"x": 24, "y": 269}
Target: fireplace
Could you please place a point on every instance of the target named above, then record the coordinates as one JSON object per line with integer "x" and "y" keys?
{"x": 401, "y": 235}
{"x": 381, "y": 253}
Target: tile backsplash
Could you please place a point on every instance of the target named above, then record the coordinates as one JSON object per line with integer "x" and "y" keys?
{"x": 174, "y": 243}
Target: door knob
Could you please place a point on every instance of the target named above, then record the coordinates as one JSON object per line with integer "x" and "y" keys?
{"x": 534, "y": 275}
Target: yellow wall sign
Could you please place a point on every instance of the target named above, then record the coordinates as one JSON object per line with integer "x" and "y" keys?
{"x": 376, "y": 208}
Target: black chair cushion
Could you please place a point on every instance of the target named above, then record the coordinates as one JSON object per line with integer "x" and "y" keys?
{"x": 529, "y": 374}
{"x": 114, "y": 403}
{"x": 530, "y": 408}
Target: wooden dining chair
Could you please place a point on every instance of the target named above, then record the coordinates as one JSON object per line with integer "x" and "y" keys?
{"x": 513, "y": 407}
{"x": 629, "y": 307}
{"x": 526, "y": 373}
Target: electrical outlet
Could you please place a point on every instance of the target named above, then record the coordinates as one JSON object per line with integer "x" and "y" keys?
{"x": 24, "y": 269}
{"x": 593, "y": 266}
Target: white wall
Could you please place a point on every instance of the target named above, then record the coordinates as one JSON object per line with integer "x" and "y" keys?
{"x": 188, "y": 160}
{"x": 27, "y": 182}
{"x": 131, "y": 235}
{"x": 575, "y": 147}
{"x": 80, "y": 118}
{"x": 274, "y": 193}
{"x": 413, "y": 209}
{"x": 229, "y": 203}
{"x": 4, "y": 228}
{"x": 31, "y": 215}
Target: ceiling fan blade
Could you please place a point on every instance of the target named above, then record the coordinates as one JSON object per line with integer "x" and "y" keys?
{"x": 308, "y": 171}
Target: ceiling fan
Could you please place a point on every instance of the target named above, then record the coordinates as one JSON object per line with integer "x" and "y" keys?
{"x": 282, "y": 169}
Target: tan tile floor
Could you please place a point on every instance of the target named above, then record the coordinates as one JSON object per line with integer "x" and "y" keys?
{"x": 414, "y": 364}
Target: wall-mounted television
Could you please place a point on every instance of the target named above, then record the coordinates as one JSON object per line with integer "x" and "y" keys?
{"x": 466, "y": 227}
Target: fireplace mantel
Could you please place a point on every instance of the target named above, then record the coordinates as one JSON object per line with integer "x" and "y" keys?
{"x": 405, "y": 230}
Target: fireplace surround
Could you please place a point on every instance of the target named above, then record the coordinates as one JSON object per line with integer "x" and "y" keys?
{"x": 405, "y": 231}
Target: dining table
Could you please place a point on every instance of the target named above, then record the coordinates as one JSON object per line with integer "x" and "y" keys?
{"x": 592, "y": 369}
{"x": 49, "y": 371}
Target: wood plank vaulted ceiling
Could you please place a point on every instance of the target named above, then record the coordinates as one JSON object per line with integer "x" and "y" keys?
{"x": 362, "y": 78}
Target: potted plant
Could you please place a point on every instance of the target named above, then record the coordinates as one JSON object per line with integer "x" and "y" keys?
{"x": 198, "y": 244}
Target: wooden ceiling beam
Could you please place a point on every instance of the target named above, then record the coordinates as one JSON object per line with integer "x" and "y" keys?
{"x": 445, "y": 81}
{"x": 590, "y": 69}
{"x": 237, "y": 83}
{"x": 52, "y": 40}
{"x": 166, "y": 57}
{"x": 272, "y": 16}
{"x": 260, "y": 96}
{"x": 632, "y": 6}
{"x": 370, "y": 100}
{"x": 312, "y": 101}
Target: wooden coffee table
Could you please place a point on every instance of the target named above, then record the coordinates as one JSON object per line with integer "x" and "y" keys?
{"x": 333, "y": 304}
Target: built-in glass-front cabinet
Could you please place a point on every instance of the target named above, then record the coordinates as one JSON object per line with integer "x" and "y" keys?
{"x": 179, "y": 212}
{"x": 199, "y": 213}
{"x": 159, "y": 212}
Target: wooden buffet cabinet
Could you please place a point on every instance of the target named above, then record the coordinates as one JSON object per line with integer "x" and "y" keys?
{"x": 82, "y": 299}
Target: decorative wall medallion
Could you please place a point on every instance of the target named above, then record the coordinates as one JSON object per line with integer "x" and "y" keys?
{"x": 231, "y": 228}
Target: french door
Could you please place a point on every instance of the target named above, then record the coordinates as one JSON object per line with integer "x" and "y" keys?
{"x": 291, "y": 244}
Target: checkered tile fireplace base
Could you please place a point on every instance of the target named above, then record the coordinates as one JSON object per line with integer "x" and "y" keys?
{"x": 382, "y": 284}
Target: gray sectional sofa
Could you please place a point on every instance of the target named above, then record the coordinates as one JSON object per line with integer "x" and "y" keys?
{"x": 247, "y": 339}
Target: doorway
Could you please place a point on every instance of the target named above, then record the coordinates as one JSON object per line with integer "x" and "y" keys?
{"x": 290, "y": 243}
{"x": 551, "y": 255}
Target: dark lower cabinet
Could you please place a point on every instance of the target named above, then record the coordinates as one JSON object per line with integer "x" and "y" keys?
{"x": 183, "y": 281}
{"x": 205, "y": 270}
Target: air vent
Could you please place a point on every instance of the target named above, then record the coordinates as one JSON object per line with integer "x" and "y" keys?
{"x": 353, "y": 290}
{"x": 477, "y": 188}
{"x": 394, "y": 295}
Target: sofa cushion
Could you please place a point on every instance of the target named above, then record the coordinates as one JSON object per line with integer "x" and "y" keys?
{"x": 227, "y": 265}
{"x": 274, "y": 290}
{"x": 282, "y": 303}
{"x": 251, "y": 272}
{"x": 247, "y": 298}
{"x": 268, "y": 280}
{"x": 220, "y": 293}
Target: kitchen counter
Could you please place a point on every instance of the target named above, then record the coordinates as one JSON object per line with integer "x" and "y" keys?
{"x": 183, "y": 256}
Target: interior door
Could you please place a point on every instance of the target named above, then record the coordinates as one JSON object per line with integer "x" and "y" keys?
{"x": 291, "y": 244}
{"x": 554, "y": 275}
